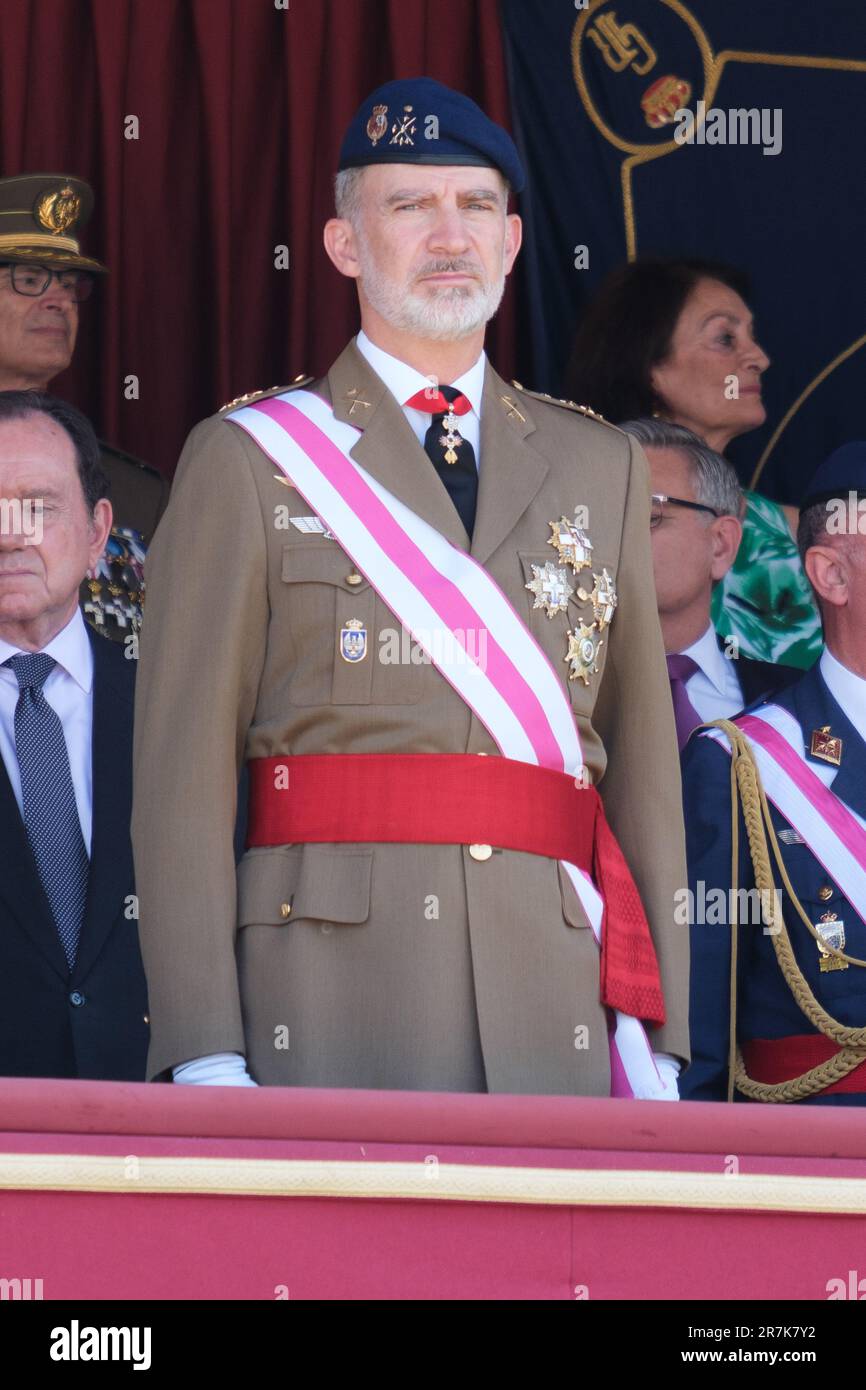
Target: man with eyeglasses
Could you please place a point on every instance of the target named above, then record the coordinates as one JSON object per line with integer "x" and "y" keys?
{"x": 43, "y": 279}
{"x": 696, "y": 532}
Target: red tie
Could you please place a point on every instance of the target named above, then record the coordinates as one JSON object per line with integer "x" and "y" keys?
{"x": 433, "y": 402}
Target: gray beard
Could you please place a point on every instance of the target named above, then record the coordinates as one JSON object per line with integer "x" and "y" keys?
{"x": 445, "y": 316}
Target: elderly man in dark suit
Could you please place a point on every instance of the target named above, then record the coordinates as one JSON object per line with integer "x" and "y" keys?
{"x": 75, "y": 996}
{"x": 696, "y": 532}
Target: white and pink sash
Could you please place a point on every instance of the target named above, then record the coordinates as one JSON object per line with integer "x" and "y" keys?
{"x": 834, "y": 834}
{"x": 432, "y": 586}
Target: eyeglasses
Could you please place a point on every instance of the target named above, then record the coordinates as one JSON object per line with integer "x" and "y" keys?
{"x": 34, "y": 280}
{"x": 660, "y": 500}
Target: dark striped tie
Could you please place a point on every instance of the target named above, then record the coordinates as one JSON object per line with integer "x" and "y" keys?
{"x": 48, "y": 796}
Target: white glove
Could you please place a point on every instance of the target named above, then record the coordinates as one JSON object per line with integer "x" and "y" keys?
{"x": 217, "y": 1069}
{"x": 669, "y": 1070}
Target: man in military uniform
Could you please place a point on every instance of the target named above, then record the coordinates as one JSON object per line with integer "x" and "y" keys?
{"x": 43, "y": 278}
{"x": 798, "y": 902}
{"x": 438, "y": 639}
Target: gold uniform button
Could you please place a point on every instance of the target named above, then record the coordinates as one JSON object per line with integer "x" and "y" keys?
{"x": 146, "y": 1018}
{"x": 354, "y": 578}
{"x": 825, "y": 893}
{"x": 480, "y": 852}
{"x": 285, "y": 909}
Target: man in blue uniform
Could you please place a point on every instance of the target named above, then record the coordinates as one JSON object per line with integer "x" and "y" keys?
{"x": 798, "y": 928}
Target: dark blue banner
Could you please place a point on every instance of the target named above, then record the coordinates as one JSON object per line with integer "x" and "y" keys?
{"x": 770, "y": 177}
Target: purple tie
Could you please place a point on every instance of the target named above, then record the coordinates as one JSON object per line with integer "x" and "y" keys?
{"x": 680, "y": 669}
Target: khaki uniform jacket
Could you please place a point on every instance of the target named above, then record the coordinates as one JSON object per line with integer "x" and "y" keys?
{"x": 398, "y": 966}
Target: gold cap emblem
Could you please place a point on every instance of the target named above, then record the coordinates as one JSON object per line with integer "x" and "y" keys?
{"x": 57, "y": 209}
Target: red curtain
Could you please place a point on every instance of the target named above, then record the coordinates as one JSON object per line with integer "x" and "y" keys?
{"x": 240, "y": 107}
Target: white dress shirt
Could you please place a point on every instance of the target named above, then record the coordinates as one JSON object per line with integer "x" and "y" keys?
{"x": 714, "y": 689}
{"x": 403, "y": 382}
{"x": 69, "y": 692}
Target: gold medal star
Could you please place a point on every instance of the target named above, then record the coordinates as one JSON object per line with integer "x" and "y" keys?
{"x": 572, "y": 543}
{"x": 604, "y": 599}
{"x": 551, "y": 588}
{"x": 582, "y": 655}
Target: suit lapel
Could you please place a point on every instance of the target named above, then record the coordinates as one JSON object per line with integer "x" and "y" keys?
{"x": 20, "y": 887}
{"x": 111, "y": 871}
{"x": 511, "y": 471}
{"x": 388, "y": 448}
{"x": 815, "y": 708}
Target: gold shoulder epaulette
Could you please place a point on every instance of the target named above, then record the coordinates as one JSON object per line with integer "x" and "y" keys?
{"x": 567, "y": 405}
{"x": 252, "y": 396}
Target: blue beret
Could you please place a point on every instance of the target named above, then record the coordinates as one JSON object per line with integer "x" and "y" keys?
{"x": 843, "y": 472}
{"x": 420, "y": 121}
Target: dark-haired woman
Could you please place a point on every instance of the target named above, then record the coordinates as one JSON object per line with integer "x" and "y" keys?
{"x": 675, "y": 339}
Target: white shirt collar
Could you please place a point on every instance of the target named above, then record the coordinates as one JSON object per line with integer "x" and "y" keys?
{"x": 710, "y": 659}
{"x": 847, "y": 689}
{"x": 404, "y": 381}
{"x": 71, "y": 649}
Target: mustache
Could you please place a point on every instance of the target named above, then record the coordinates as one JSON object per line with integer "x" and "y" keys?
{"x": 450, "y": 267}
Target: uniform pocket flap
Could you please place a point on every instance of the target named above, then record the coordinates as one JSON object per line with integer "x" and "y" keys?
{"x": 320, "y": 562}
{"x": 572, "y": 907}
{"x": 316, "y": 881}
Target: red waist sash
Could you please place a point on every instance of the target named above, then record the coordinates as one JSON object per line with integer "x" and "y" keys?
{"x": 780, "y": 1059}
{"x": 462, "y": 798}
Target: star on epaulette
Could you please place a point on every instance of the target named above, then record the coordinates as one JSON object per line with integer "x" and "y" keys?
{"x": 567, "y": 405}
{"x": 252, "y": 396}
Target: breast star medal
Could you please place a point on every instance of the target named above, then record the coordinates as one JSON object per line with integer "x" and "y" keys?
{"x": 582, "y": 655}
{"x": 603, "y": 598}
{"x": 572, "y": 544}
{"x": 551, "y": 588}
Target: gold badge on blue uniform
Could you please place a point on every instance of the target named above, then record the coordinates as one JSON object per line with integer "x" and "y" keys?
{"x": 826, "y": 746}
{"x": 353, "y": 640}
{"x": 831, "y": 931}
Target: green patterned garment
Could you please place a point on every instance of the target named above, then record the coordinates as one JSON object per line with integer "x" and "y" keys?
{"x": 765, "y": 599}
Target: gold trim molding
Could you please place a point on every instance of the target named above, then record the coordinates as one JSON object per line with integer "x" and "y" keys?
{"x": 431, "y": 1180}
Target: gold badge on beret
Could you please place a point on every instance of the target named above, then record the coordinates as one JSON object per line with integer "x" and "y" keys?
{"x": 551, "y": 588}
{"x": 403, "y": 130}
{"x": 377, "y": 126}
